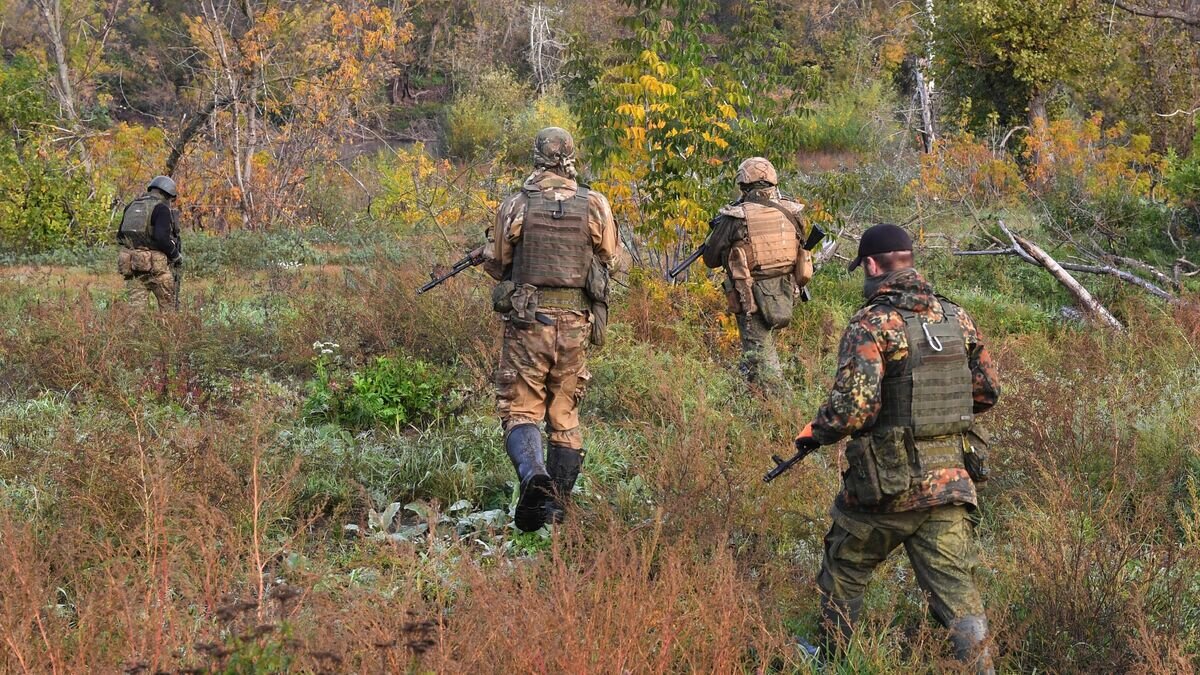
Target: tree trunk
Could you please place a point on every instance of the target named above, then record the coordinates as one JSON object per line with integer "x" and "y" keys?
{"x": 1037, "y": 109}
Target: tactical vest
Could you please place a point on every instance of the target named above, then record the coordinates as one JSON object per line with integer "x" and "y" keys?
{"x": 774, "y": 242}
{"x": 932, "y": 396}
{"x": 137, "y": 225}
{"x": 555, "y": 249}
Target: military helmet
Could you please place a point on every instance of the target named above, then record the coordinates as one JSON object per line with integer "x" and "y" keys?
{"x": 757, "y": 169}
{"x": 554, "y": 147}
{"x": 165, "y": 184}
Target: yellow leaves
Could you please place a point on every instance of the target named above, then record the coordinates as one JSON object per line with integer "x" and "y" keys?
{"x": 637, "y": 112}
{"x": 728, "y": 112}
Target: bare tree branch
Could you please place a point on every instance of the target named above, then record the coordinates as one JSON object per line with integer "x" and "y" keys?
{"x": 1160, "y": 13}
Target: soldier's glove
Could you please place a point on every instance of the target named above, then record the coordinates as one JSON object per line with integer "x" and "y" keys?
{"x": 805, "y": 440}
{"x": 177, "y": 261}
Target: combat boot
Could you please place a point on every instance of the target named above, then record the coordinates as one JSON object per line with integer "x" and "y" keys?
{"x": 969, "y": 635}
{"x": 524, "y": 445}
{"x": 837, "y": 622}
{"x": 564, "y": 465}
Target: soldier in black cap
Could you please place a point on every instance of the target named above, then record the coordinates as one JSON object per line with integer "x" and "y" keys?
{"x": 912, "y": 374}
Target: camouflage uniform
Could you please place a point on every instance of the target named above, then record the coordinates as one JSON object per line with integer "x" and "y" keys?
{"x": 542, "y": 373}
{"x": 147, "y": 273}
{"x": 150, "y": 245}
{"x": 760, "y": 359}
{"x": 932, "y": 518}
{"x": 543, "y": 370}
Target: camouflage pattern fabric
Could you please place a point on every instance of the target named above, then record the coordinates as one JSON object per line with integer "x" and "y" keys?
{"x": 939, "y": 541}
{"x": 147, "y": 273}
{"x": 875, "y": 343}
{"x": 760, "y": 360}
{"x": 543, "y": 375}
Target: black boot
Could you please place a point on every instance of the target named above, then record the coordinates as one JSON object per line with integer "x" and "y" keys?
{"x": 524, "y": 445}
{"x": 564, "y": 465}
{"x": 969, "y": 635}
{"x": 837, "y": 622}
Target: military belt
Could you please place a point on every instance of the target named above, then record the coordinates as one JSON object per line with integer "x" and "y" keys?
{"x": 563, "y": 298}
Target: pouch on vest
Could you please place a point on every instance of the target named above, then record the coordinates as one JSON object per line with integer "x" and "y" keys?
{"x": 975, "y": 454}
{"x": 524, "y": 305}
{"x": 502, "y": 296}
{"x": 775, "y": 300}
{"x": 597, "y": 290}
{"x": 879, "y": 465}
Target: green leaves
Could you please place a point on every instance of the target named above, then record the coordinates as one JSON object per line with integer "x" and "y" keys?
{"x": 392, "y": 391}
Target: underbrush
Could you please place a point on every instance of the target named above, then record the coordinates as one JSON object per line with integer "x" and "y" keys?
{"x": 165, "y": 503}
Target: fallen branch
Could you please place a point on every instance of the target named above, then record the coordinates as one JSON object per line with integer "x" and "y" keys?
{"x": 1082, "y": 295}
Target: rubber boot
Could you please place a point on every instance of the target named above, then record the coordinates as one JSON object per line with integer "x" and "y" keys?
{"x": 837, "y": 622}
{"x": 969, "y": 635}
{"x": 524, "y": 445}
{"x": 564, "y": 465}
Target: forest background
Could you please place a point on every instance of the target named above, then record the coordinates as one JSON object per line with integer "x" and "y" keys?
{"x": 300, "y": 469}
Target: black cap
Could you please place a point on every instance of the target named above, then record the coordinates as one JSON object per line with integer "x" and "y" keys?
{"x": 881, "y": 238}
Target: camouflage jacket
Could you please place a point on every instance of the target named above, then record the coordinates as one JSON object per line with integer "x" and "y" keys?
{"x": 875, "y": 343}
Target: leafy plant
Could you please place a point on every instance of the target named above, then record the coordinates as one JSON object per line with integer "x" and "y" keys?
{"x": 394, "y": 391}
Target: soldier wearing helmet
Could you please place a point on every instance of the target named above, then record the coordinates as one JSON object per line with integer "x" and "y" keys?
{"x": 759, "y": 240}
{"x": 150, "y": 245}
{"x": 550, "y": 249}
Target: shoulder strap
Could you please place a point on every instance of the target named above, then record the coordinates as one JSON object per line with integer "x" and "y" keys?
{"x": 771, "y": 203}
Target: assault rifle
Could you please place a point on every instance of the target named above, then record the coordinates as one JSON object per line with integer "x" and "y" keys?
{"x": 468, "y": 261}
{"x": 803, "y": 449}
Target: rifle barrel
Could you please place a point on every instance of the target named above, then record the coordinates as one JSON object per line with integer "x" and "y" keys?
{"x": 687, "y": 262}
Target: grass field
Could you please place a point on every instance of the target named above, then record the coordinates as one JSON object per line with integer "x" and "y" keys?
{"x": 181, "y": 493}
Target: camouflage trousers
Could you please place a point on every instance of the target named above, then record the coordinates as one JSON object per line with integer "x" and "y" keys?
{"x": 147, "y": 273}
{"x": 543, "y": 375}
{"x": 940, "y": 543}
{"x": 760, "y": 361}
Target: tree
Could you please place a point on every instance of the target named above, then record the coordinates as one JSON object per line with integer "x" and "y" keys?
{"x": 279, "y": 86}
{"x": 1006, "y": 57}
{"x": 667, "y": 115}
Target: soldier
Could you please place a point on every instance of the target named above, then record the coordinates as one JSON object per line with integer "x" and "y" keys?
{"x": 150, "y": 246}
{"x": 759, "y": 239}
{"x": 912, "y": 374}
{"x": 550, "y": 250}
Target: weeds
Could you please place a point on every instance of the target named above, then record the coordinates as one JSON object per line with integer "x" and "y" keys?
{"x": 162, "y": 478}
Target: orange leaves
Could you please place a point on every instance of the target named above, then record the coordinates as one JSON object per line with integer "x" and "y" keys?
{"x": 1100, "y": 159}
{"x": 963, "y": 168}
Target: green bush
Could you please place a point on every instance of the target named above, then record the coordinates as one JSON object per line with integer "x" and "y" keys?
{"x": 848, "y": 120}
{"x": 45, "y": 199}
{"x": 393, "y": 391}
{"x": 499, "y": 116}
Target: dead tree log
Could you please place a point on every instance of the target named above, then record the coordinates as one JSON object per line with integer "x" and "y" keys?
{"x": 1082, "y": 295}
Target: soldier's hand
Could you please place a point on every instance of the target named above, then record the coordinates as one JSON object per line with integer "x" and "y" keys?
{"x": 805, "y": 440}
{"x": 480, "y": 252}
{"x": 177, "y": 261}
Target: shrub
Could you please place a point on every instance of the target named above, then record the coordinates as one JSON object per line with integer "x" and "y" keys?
{"x": 497, "y": 117}
{"x": 395, "y": 391}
